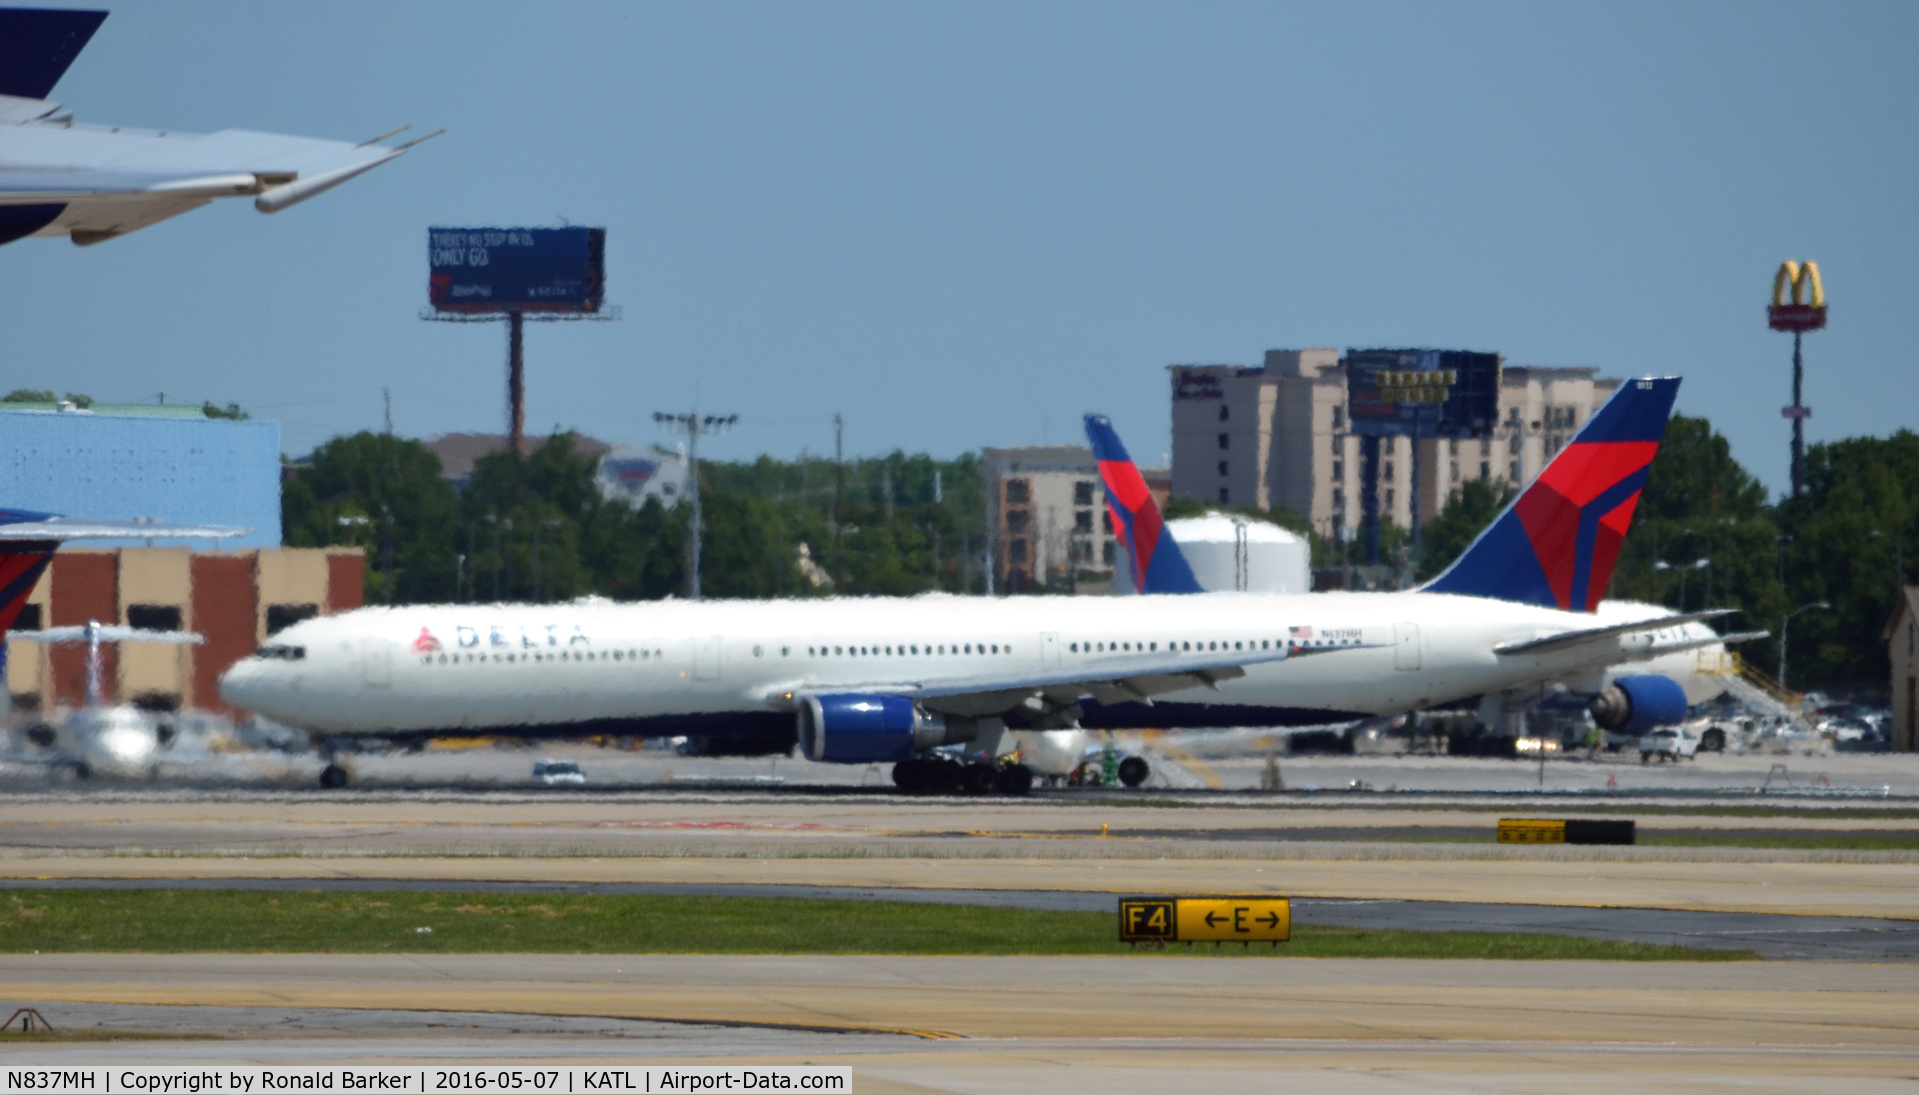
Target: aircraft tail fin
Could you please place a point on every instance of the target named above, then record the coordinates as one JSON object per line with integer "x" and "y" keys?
{"x": 1158, "y": 566}
{"x": 38, "y": 44}
{"x": 1555, "y": 545}
{"x": 21, "y": 564}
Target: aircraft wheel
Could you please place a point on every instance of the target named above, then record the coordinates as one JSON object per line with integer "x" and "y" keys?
{"x": 945, "y": 777}
{"x": 333, "y": 777}
{"x": 1015, "y": 779}
{"x": 979, "y": 778}
{"x": 910, "y": 775}
{"x": 1133, "y": 771}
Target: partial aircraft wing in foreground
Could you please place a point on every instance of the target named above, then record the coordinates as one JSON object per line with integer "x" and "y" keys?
{"x": 92, "y": 183}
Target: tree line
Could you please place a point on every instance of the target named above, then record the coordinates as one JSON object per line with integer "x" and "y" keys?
{"x": 537, "y": 528}
{"x": 1705, "y": 534}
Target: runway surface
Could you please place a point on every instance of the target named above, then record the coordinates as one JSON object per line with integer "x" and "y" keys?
{"x": 1824, "y": 938}
{"x": 1023, "y": 1025}
{"x": 660, "y": 771}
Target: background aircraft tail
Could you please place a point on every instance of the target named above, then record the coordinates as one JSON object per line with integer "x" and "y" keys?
{"x": 1555, "y": 545}
{"x": 37, "y": 45}
{"x": 1158, "y": 566}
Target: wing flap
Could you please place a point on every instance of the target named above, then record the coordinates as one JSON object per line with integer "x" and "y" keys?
{"x": 1132, "y": 679}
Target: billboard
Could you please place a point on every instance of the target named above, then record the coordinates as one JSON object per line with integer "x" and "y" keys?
{"x": 480, "y": 270}
{"x": 1431, "y": 393}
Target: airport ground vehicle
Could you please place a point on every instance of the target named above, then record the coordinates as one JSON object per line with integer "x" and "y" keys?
{"x": 1669, "y": 743}
{"x": 556, "y": 772}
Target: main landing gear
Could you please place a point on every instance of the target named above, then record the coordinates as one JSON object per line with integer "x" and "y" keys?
{"x": 940, "y": 775}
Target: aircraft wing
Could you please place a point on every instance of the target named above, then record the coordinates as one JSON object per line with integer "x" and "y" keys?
{"x": 1120, "y": 679}
{"x": 94, "y": 183}
{"x": 1565, "y": 640}
{"x": 28, "y": 525}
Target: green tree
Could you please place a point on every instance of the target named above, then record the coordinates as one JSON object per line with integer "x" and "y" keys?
{"x": 384, "y": 494}
{"x": 1470, "y": 509}
{"x": 1851, "y": 531}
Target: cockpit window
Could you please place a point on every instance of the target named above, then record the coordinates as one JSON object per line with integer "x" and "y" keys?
{"x": 281, "y": 651}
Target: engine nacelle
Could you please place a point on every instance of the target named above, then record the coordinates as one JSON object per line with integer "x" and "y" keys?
{"x": 1634, "y": 705}
{"x": 851, "y": 728}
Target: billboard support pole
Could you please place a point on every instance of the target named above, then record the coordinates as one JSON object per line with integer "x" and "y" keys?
{"x": 516, "y": 381}
{"x": 1799, "y": 418}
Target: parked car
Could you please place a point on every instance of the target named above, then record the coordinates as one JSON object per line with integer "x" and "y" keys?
{"x": 1669, "y": 743}
{"x": 554, "y": 772}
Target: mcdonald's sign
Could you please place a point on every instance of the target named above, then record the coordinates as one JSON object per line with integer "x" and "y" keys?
{"x": 1806, "y": 310}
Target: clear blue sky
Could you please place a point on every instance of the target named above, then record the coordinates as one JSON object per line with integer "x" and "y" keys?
{"x": 967, "y": 224}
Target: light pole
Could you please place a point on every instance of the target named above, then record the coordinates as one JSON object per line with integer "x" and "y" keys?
{"x": 355, "y": 524}
{"x": 1683, "y": 569}
{"x": 1784, "y": 621}
{"x": 694, "y": 426}
{"x": 1780, "y": 543}
{"x": 538, "y": 571}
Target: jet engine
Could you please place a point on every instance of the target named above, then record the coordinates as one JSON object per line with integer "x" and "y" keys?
{"x": 1634, "y": 705}
{"x": 849, "y": 728}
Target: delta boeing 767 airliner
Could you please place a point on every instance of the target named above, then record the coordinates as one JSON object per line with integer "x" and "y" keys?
{"x": 889, "y": 679}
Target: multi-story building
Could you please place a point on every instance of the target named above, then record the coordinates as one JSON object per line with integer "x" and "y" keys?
{"x": 1046, "y": 515}
{"x": 1277, "y": 435}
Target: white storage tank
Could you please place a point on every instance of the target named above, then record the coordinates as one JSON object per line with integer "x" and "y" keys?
{"x": 1231, "y": 553}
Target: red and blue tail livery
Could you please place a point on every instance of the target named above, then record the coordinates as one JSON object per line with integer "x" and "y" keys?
{"x": 22, "y": 561}
{"x": 1158, "y": 566}
{"x": 1556, "y": 544}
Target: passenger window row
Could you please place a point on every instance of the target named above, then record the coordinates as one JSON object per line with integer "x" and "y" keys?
{"x": 1178, "y": 646}
{"x": 910, "y": 650}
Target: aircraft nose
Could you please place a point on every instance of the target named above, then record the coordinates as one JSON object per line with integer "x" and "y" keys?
{"x": 244, "y": 684}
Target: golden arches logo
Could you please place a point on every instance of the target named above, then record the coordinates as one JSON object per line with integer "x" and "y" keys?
{"x": 1804, "y": 282}
{"x": 1798, "y": 300}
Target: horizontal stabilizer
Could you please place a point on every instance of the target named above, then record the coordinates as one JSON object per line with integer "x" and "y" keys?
{"x": 1585, "y": 635}
{"x": 108, "y": 633}
{"x": 1717, "y": 640}
{"x": 27, "y": 525}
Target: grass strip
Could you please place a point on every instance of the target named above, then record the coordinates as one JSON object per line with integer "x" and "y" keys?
{"x": 251, "y": 921}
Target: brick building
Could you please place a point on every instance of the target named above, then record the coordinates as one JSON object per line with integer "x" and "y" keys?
{"x": 234, "y": 598}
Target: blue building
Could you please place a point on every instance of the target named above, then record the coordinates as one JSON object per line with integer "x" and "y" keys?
{"x": 123, "y": 462}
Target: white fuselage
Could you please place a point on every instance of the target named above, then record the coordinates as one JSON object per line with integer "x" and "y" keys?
{"x": 671, "y": 667}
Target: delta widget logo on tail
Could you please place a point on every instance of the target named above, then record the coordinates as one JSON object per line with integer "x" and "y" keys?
{"x": 426, "y": 643}
{"x": 1556, "y": 544}
{"x": 1155, "y": 557}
